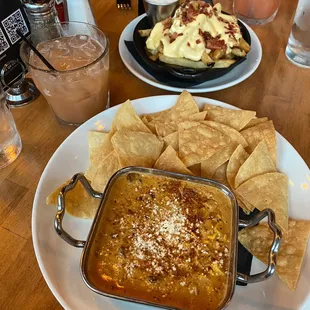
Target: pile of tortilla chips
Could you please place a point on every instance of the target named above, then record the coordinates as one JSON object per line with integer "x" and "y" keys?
{"x": 233, "y": 147}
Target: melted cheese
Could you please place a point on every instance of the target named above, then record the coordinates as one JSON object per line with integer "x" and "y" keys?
{"x": 190, "y": 43}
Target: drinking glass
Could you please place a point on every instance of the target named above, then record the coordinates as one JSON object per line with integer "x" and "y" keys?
{"x": 79, "y": 88}
{"x": 10, "y": 142}
{"x": 298, "y": 46}
{"x": 256, "y": 12}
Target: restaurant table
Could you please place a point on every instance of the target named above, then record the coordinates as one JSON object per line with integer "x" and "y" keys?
{"x": 278, "y": 90}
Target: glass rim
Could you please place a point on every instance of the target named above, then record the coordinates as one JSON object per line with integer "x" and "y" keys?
{"x": 103, "y": 54}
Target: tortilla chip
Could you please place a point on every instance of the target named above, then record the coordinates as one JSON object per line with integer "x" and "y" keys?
{"x": 258, "y": 240}
{"x": 200, "y": 116}
{"x": 136, "y": 148}
{"x": 236, "y": 119}
{"x": 188, "y": 124}
{"x": 165, "y": 129}
{"x": 209, "y": 166}
{"x": 246, "y": 206}
{"x": 108, "y": 166}
{"x": 269, "y": 190}
{"x": 195, "y": 169}
{"x": 255, "y": 121}
{"x": 97, "y": 141}
{"x": 167, "y": 122}
{"x": 173, "y": 140}
{"x": 150, "y": 126}
{"x": 170, "y": 161}
{"x": 259, "y": 162}
{"x": 232, "y": 133}
{"x": 152, "y": 116}
{"x": 236, "y": 160}
{"x": 78, "y": 202}
{"x": 262, "y": 132}
{"x": 127, "y": 118}
{"x": 220, "y": 174}
{"x": 198, "y": 143}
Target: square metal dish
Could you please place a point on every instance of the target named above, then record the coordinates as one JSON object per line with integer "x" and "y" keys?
{"x": 98, "y": 230}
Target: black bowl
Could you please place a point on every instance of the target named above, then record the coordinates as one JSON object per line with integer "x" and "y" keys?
{"x": 178, "y": 72}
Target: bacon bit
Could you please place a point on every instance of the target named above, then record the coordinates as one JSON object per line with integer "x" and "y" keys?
{"x": 188, "y": 44}
{"x": 215, "y": 44}
{"x": 173, "y": 37}
{"x": 230, "y": 27}
{"x": 212, "y": 43}
{"x": 167, "y": 23}
{"x": 189, "y": 10}
{"x": 180, "y": 34}
{"x": 198, "y": 41}
{"x": 187, "y": 17}
{"x": 205, "y": 34}
{"x": 221, "y": 19}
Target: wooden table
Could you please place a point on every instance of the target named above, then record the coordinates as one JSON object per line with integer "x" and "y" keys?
{"x": 278, "y": 90}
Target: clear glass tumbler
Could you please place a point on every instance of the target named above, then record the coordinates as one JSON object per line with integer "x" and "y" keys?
{"x": 10, "y": 142}
{"x": 79, "y": 89}
{"x": 298, "y": 46}
{"x": 256, "y": 12}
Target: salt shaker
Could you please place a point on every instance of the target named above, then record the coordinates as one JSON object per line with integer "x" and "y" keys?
{"x": 41, "y": 15}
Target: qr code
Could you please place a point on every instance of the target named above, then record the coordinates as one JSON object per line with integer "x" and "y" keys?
{"x": 4, "y": 45}
{"x": 13, "y": 22}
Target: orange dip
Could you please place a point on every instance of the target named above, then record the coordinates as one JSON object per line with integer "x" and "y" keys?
{"x": 164, "y": 241}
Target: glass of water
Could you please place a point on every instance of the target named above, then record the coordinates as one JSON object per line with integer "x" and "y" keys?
{"x": 10, "y": 142}
{"x": 256, "y": 12}
{"x": 298, "y": 46}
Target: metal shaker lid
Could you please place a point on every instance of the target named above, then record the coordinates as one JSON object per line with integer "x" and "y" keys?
{"x": 38, "y": 6}
{"x": 21, "y": 90}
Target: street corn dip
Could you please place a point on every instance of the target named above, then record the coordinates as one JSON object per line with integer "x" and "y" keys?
{"x": 164, "y": 241}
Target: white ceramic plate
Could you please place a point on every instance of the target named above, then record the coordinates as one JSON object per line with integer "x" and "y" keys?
{"x": 59, "y": 262}
{"x": 236, "y": 76}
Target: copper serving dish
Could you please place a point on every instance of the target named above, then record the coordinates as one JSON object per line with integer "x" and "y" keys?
{"x": 233, "y": 275}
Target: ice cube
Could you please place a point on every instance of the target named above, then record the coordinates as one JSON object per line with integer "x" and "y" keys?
{"x": 79, "y": 41}
{"x": 64, "y": 53}
{"x": 80, "y": 55}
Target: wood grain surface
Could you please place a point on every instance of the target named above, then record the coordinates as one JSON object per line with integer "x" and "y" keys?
{"x": 278, "y": 90}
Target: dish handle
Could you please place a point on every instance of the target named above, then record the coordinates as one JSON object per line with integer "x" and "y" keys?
{"x": 61, "y": 208}
{"x": 272, "y": 257}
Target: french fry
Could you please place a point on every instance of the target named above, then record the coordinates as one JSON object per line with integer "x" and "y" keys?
{"x": 152, "y": 52}
{"x": 206, "y": 59}
{"x": 183, "y": 62}
{"x": 230, "y": 56}
{"x": 144, "y": 32}
{"x": 153, "y": 57}
{"x": 217, "y": 54}
{"x": 244, "y": 45}
{"x": 238, "y": 52}
{"x": 224, "y": 63}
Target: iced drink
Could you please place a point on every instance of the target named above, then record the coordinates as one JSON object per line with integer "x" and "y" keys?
{"x": 79, "y": 89}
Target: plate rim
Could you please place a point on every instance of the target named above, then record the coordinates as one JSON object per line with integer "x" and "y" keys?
{"x": 157, "y": 84}
{"x": 36, "y": 205}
